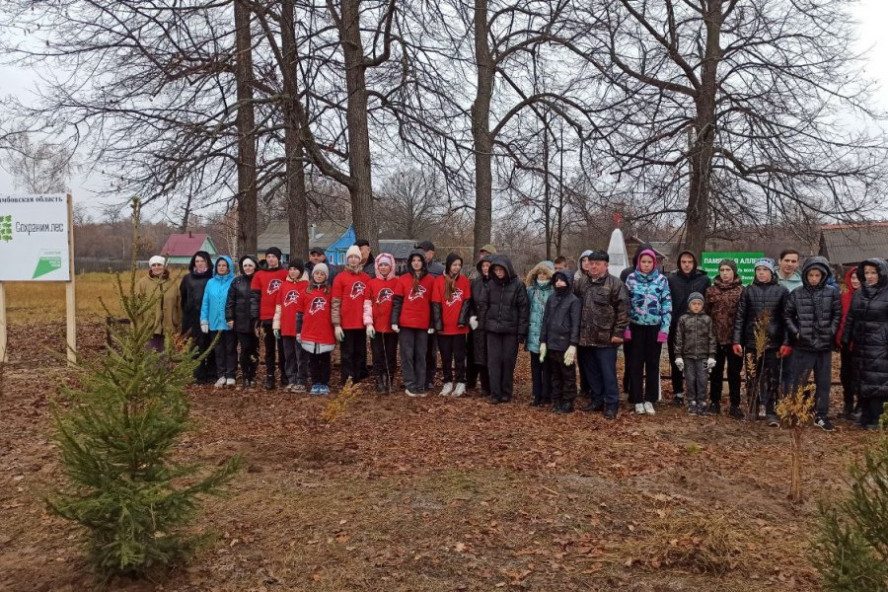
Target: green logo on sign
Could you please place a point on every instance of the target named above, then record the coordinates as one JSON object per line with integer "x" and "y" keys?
{"x": 6, "y": 228}
{"x": 49, "y": 261}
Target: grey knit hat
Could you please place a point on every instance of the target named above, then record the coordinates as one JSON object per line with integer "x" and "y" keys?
{"x": 696, "y": 296}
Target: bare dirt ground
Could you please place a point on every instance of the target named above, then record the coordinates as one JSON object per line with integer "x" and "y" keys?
{"x": 438, "y": 494}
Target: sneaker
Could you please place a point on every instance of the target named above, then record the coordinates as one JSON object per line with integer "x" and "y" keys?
{"x": 610, "y": 414}
{"x": 773, "y": 421}
{"x": 299, "y": 388}
{"x": 679, "y": 399}
{"x": 269, "y": 382}
{"x": 412, "y": 394}
{"x": 649, "y": 408}
{"x": 703, "y": 410}
{"x": 639, "y": 408}
{"x": 736, "y": 413}
{"x": 324, "y": 390}
{"x": 762, "y": 414}
{"x": 220, "y": 383}
{"x": 824, "y": 424}
{"x": 460, "y": 389}
{"x": 315, "y": 389}
{"x": 290, "y": 388}
{"x": 447, "y": 389}
{"x": 230, "y": 382}
{"x": 692, "y": 409}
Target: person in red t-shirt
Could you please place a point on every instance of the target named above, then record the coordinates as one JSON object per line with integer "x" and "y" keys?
{"x": 411, "y": 319}
{"x": 451, "y": 295}
{"x": 377, "y": 319}
{"x": 285, "y": 316}
{"x": 316, "y": 328}
{"x": 263, "y": 299}
{"x": 349, "y": 293}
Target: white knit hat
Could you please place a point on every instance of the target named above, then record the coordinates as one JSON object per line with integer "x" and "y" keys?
{"x": 157, "y": 259}
{"x": 353, "y": 250}
{"x": 320, "y": 267}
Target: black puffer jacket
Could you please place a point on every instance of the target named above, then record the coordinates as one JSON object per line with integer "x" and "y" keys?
{"x": 604, "y": 309}
{"x": 237, "y": 307}
{"x": 479, "y": 335}
{"x": 191, "y": 291}
{"x": 813, "y": 313}
{"x": 682, "y": 285}
{"x": 561, "y": 317}
{"x": 867, "y": 328}
{"x": 695, "y": 337}
{"x": 503, "y": 306}
{"x": 759, "y": 299}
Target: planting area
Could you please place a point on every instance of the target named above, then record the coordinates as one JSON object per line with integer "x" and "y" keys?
{"x": 437, "y": 493}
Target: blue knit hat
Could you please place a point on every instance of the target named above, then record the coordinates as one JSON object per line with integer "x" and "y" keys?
{"x": 767, "y": 263}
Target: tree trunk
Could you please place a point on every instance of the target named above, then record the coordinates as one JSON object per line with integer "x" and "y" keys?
{"x": 700, "y": 157}
{"x": 297, "y": 199}
{"x": 361, "y": 190}
{"x": 483, "y": 143}
{"x": 247, "y": 194}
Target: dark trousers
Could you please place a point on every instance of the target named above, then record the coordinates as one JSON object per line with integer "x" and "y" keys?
{"x": 273, "y": 345}
{"x": 249, "y": 354}
{"x": 320, "y": 368}
{"x": 806, "y": 362}
{"x": 502, "y": 354}
{"x": 698, "y": 378}
{"x": 414, "y": 345}
{"x": 295, "y": 360}
{"x": 206, "y": 371}
{"x": 476, "y": 371}
{"x": 353, "y": 355}
{"x": 453, "y": 353}
{"x": 766, "y": 383}
{"x": 677, "y": 375}
{"x": 431, "y": 368}
{"x": 385, "y": 354}
{"x": 564, "y": 378}
{"x": 225, "y": 353}
{"x": 599, "y": 366}
{"x": 871, "y": 410}
{"x": 848, "y": 376}
{"x": 724, "y": 356}
{"x": 542, "y": 382}
{"x": 627, "y": 353}
{"x": 644, "y": 364}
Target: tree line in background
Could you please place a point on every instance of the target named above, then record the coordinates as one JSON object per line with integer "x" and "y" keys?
{"x": 528, "y": 122}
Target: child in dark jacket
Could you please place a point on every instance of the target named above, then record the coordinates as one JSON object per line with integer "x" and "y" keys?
{"x": 813, "y": 313}
{"x": 695, "y": 347}
{"x": 504, "y": 311}
{"x": 559, "y": 336}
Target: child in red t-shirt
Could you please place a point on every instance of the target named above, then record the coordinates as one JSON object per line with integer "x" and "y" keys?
{"x": 450, "y": 313}
{"x": 377, "y": 319}
{"x": 411, "y": 319}
{"x": 289, "y": 301}
{"x": 316, "y": 328}
{"x": 349, "y": 293}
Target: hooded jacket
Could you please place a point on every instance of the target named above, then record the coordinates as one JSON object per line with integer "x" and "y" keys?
{"x": 537, "y": 295}
{"x": 191, "y": 291}
{"x": 381, "y": 296}
{"x": 794, "y": 282}
{"x": 560, "y": 327}
{"x": 448, "y": 314}
{"x": 847, "y": 296}
{"x": 867, "y": 328}
{"x": 760, "y": 299}
{"x": 288, "y": 305}
{"x": 604, "y": 309}
{"x": 503, "y": 306}
{"x": 694, "y": 336}
{"x": 650, "y": 302}
{"x": 212, "y": 308}
{"x": 813, "y": 312}
{"x": 722, "y": 300}
{"x": 264, "y": 292}
{"x": 237, "y": 306}
{"x": 624, "y": 275}
{"x": 682, "y": 285}
{"x": 350, "y": 289}
{"x": 412, "y": 306}
{"x": 165, "y": 315}
{"x": 479, "y": 335}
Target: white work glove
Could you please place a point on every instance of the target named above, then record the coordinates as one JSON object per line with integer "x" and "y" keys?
{"x": 473, "y": 323}
{"x": 371, "y": 332}
{"x": 570, "y": 356}
{"x": 277, "y": 333}
{"x": 710, "y": 364}
{"x": 204, "y": 328}
{"x": 680, "y": 364}
{"x": 431, "y": 330}
{"x": 543, "y": 350}
{"x": 340, "y": 333}
{"x": 396, "y": 328}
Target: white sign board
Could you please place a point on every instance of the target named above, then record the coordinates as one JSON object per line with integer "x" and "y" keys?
{"x": 34, "y": 245}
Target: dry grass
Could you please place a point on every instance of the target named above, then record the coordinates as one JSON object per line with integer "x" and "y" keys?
{"x": 39, "y": 302}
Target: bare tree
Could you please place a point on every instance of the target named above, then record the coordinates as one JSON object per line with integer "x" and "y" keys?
{"x": 39, "y": 167}
{"x": 412, "y": 205}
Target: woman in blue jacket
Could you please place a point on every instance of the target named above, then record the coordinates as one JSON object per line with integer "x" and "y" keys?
{"x": 212, "y": 321}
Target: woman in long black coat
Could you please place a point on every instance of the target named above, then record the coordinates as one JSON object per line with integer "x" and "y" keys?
{"x": 866, "y": 330}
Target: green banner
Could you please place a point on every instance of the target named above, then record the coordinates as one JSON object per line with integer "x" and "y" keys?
{"x": 745, "y": 264}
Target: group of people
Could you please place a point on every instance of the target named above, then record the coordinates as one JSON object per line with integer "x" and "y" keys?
{"x": 778, "y": 331}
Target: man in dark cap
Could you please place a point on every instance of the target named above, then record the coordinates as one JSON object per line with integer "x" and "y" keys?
{"x": 318, "y": 255}
{"x": 368, "y": 261}
{"x": 435, "y": 269}
{"x": 604, "y": 317}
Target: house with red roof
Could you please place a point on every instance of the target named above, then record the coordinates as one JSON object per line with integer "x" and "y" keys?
{"x": 179, "y": 248}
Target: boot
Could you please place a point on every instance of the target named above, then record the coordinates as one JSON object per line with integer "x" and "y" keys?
{"x": 537, "y": 401}
{"x": 269, "y": 382}
{"x": 380, "y": 385}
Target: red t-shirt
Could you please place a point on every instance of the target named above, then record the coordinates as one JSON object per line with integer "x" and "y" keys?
{"x": 290, "y": 299}
{"x": 351, "y": 290}
{"x": 268, "y": 282}
{"x": 317, "y": 324}
{"x": 416, "y": 311}
{"x": 450, "y": 309}
{"x": 382, "y": 294}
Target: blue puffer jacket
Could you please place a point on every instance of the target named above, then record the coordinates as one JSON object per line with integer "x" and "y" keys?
{"x": 537, "y": 294}
{"x": 212, "y": 309}
{"x": 650, "y": 299}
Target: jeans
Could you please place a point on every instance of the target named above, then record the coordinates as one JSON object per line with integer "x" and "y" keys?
{"x": 295, "y": 360}
{"x": 697, "y": 378}
{"x": 599, "y": 366}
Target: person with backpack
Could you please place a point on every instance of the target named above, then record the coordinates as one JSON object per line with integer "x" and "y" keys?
{"x": 241, "y": 321}
{"x": 503, "y": 311}
{"x": 378, "y": 322}
{"x": 412, "y": 320}
{"x": 451, "y": 297}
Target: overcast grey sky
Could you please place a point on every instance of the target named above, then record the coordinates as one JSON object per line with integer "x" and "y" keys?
{"x": 871, "y": 16}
